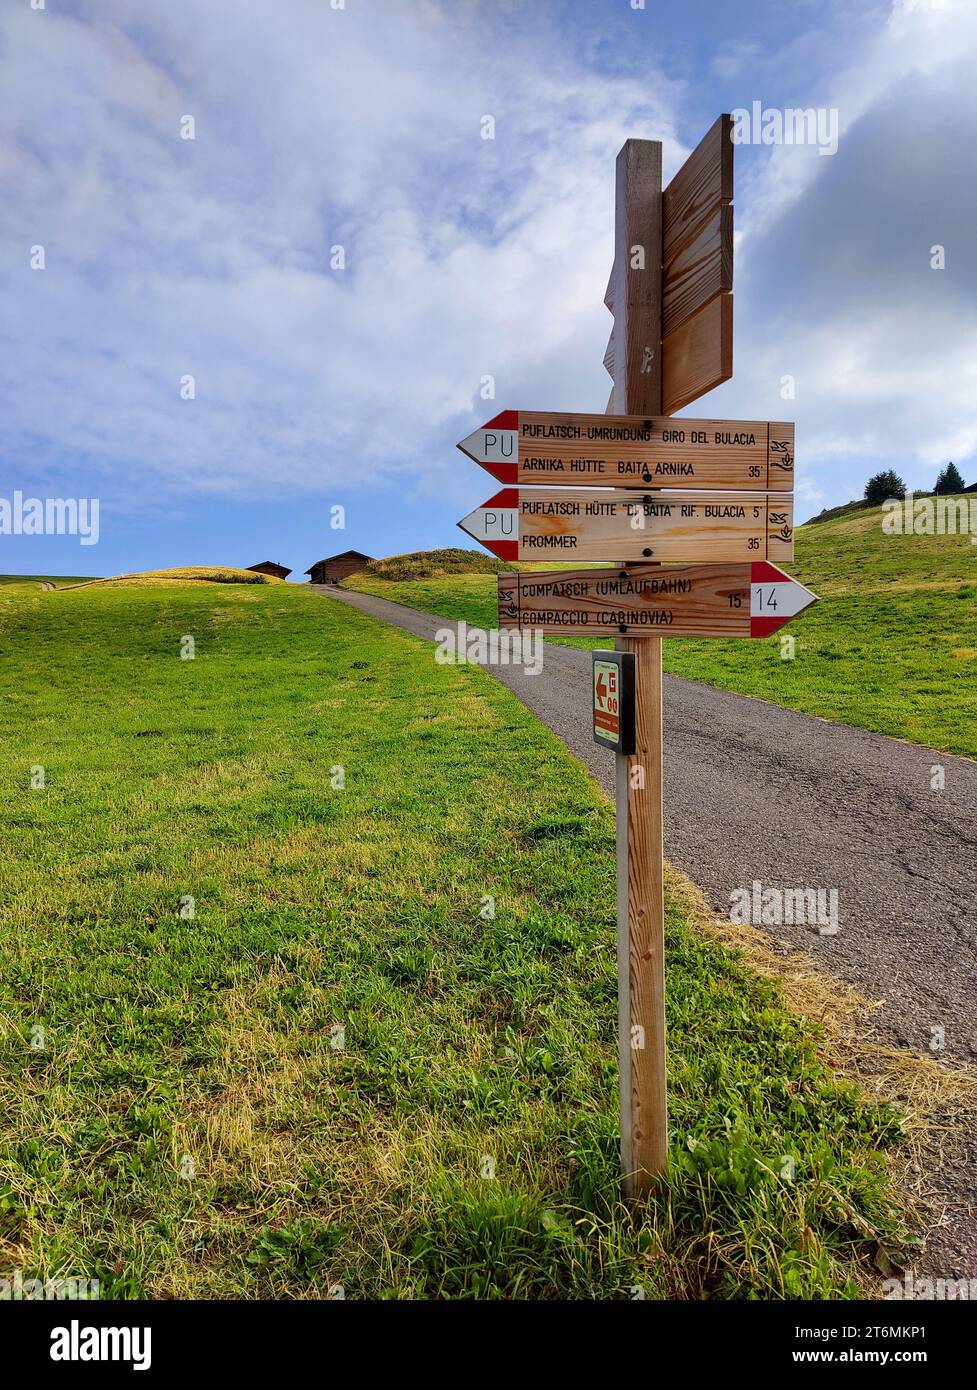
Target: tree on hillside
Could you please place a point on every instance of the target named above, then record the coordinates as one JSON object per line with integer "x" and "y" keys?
{"x": 883, "y": 486}
{"x": 949, "y": 481}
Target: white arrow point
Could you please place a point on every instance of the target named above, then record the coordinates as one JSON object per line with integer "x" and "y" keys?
{"x": 492, "y": 523}
{"x": 472, "y": 446}
{"x": 491, "y": 445}
{"x": 781, "y": 600}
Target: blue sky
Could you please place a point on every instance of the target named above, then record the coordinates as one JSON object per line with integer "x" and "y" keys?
{"x": 465, "y": 258}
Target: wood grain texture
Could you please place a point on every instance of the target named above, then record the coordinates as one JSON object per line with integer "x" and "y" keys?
{"x": 704, "y": 180}
{"x": 700, "y": 270}
{"x": 642, "y": 451}
{"x": 697, "y": 253}
{"x": 685, "y": 601}
{"x": 567, "y": 524}
{"x": 640, "y": 868}
{"x": 645, "y": 917}
{"x": 637, "y": 1177}
{"x": 698, "y": 355}
{"x": 637, "y": 278}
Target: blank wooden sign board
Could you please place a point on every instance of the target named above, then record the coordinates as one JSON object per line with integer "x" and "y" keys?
{"x": 635, "y": 488}
{"x": 695, "y": 217}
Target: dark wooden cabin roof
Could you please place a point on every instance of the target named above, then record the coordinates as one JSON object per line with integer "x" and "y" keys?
{"x": 271, "y": 565}
{"x": 343, "y": 555}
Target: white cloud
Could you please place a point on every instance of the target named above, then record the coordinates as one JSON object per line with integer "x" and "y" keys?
{"x": 165, "y": 257}
{"x": 833, "y": 277}
{"x": 465, "y": 257}
{"x": 734, "y": 57}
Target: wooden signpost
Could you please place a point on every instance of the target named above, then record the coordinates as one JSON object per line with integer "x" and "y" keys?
{"x": 680, "y": 601}
{"x": 522, "y": 446}
{"x": 547, "y": 524}
{"x": 636, "y": 488}
{"x": 672, "y": 275}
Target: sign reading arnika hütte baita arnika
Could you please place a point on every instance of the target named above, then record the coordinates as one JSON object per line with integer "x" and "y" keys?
{"x": 521, "y": 446}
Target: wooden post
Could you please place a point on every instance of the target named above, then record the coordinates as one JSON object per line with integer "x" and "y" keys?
{"x": 637, "y": 364}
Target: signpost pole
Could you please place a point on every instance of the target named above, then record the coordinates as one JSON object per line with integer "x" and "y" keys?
{"x": 670, "y": 293}
{"x": 640, "y": 891}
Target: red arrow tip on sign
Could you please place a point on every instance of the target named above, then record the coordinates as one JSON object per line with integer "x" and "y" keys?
{"x": 601, "y": 688}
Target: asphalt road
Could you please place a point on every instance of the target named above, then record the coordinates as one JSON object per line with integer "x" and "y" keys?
{"x": 758, "y": 794}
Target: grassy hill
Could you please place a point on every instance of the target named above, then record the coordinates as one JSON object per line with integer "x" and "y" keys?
{"x": 307, "y": 978}
{"x": 831, "y": 513}
{"x": 434, "y": 564}
{"x": 58, "y": 581}
{"x": 188, "y": 574}
{"x": 892, "y": 646}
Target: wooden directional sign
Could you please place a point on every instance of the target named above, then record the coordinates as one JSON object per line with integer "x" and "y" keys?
{"x": 681, "y": 601}
{"x": 694, "y": 230}
{"x": 522, "y": 446}
{"x": 697, "y": 271}
{"x": 543, "y": 523}
{"x": 636, "y": 487}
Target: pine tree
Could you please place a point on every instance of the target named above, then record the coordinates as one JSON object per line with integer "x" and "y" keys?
{"x": 949, "y": 481}
{"x": 882, "y": 486}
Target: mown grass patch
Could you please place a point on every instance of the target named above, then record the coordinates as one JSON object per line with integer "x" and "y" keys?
{"x": 377, "y": 1049}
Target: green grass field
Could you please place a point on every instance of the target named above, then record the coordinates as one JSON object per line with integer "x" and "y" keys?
{"x": 891, "y": 647}
{"x": 307, "y": 1076}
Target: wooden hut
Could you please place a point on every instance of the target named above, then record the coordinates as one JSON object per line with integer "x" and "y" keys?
{"x": 337, "y": 567}
{"x": 269, "y": 567}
